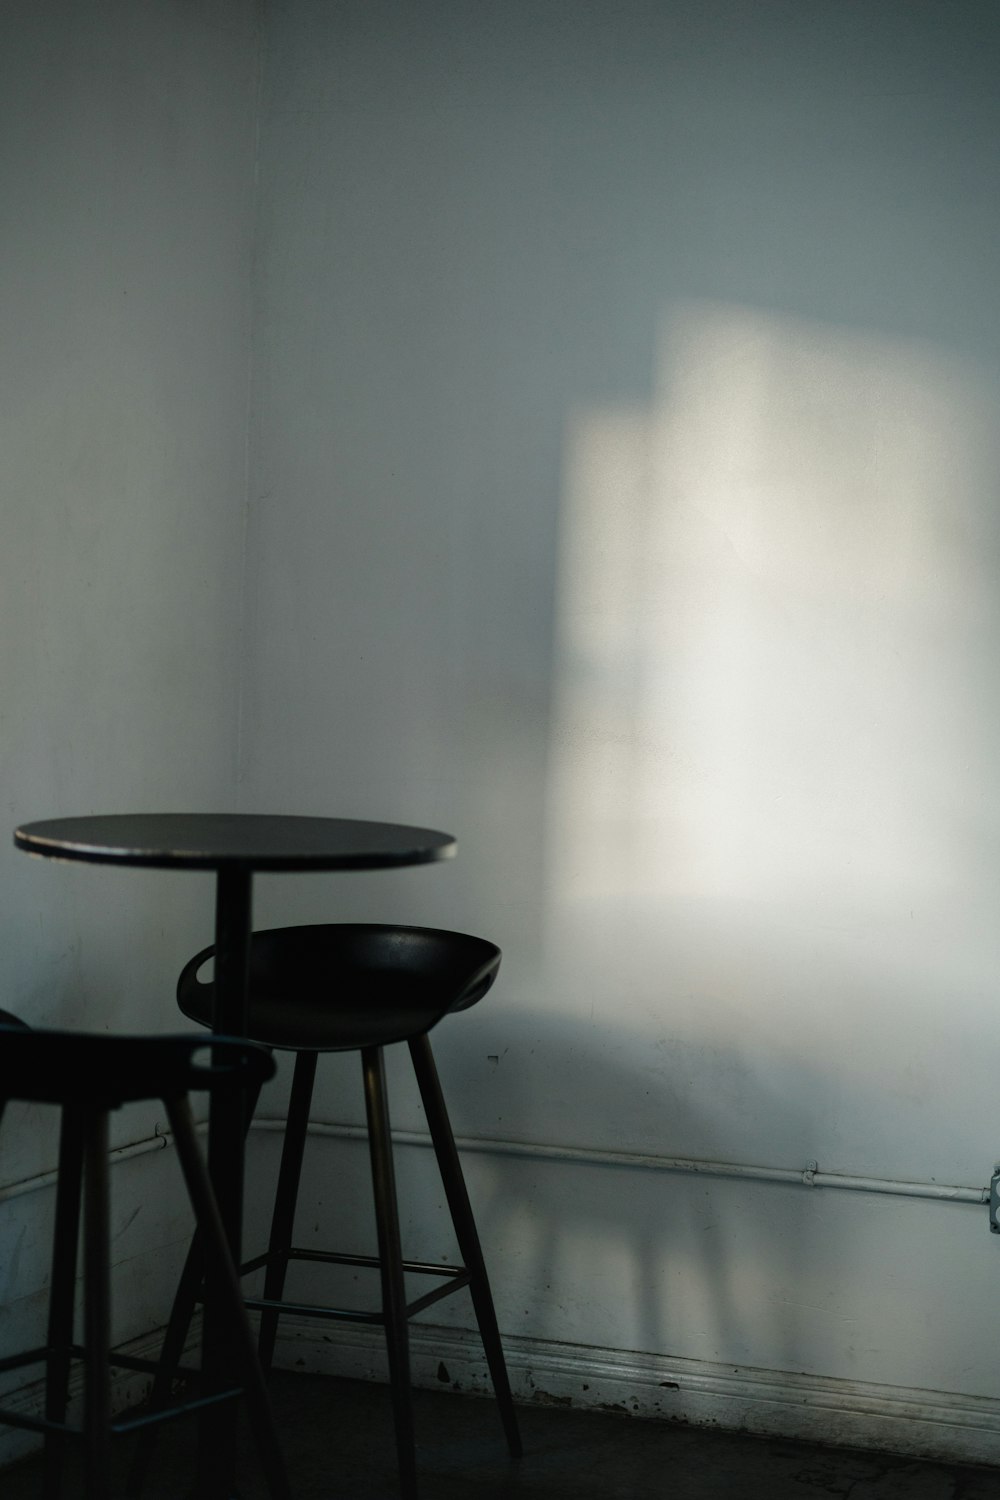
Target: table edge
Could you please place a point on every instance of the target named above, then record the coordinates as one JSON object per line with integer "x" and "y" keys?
{"x": 88, "y": 854}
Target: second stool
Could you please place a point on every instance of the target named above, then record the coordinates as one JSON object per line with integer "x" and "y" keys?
{"x": 89, "y": 1075}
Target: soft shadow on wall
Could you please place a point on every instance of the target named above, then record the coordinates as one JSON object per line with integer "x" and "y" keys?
{"x": 701, "y": 1267}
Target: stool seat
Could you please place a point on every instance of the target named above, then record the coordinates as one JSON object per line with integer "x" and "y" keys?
{"x": 344, "y": 986}
{"x": 105, "y": 1072}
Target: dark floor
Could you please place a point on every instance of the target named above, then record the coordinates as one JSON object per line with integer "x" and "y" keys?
{"x": 338, "y": 1443}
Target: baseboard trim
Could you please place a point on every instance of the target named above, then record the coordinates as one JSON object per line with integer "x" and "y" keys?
{"x": 773, "y": 1403}
{"x": 917, "y": 1423}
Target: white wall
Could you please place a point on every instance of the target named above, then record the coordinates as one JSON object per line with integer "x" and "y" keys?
{"x": 126, "y": 196}
{"x": 623, "y": 500}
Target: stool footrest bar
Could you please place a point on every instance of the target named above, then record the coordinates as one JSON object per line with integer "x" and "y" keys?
{"x": 337, "y": 1258}
{"x": 429, "y": 1298}
{"x": 371, "y": 1262}
{"x": 181, "y": 1409}
{"x": 130, "y": 1424}
{"x": 455, "y": 1283}
{"x": 30, "y": 1357}
{"x": 309, "y": 1310}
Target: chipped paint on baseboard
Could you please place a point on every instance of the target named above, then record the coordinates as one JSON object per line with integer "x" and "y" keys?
{"x": 917, "y": 1423}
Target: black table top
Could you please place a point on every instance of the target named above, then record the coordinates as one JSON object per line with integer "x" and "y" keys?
{"x": 248, "y": 841}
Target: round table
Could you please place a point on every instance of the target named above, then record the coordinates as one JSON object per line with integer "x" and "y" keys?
{"x": 235, "y": 846}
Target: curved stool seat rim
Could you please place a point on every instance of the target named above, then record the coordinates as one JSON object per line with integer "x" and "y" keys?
{"x": 341, "y": 987}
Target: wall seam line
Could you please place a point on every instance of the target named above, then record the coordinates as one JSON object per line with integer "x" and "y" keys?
{"x": 241, "y": 671}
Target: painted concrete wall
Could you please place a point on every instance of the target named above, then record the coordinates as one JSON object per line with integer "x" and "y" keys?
{"x": 624, "y": 500}
{"x": 126, "y": 183}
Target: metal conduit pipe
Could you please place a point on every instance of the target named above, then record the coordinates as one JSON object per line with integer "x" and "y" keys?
{"x": 809, "y": 1176}
{"x": 157, "y": 1142}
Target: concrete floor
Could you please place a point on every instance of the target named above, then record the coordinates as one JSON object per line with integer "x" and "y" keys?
{"x": 338, "y": 1442}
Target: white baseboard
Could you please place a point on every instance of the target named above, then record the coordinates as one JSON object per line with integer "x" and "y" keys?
{"x": 917, "y": 1423}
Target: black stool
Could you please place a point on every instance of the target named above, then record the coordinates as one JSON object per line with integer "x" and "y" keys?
{"x": 345, "y": 988}
{"x": 89, "y": 1076}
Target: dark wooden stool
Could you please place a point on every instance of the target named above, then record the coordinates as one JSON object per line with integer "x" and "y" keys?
{"x": 347, "y": 988}
{"x": 88, "y": 1076}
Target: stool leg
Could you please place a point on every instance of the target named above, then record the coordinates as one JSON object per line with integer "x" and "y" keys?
{"x": 391, "y": 1266}
{"x": 466, "y": 1233}
{"x": 227, "y": 1281}
{"x": 97, "y": 1305}
{"x": 285, "y": 1198}
{"x": 62, "y": 1293}
{"x": 174, "y": 1339}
